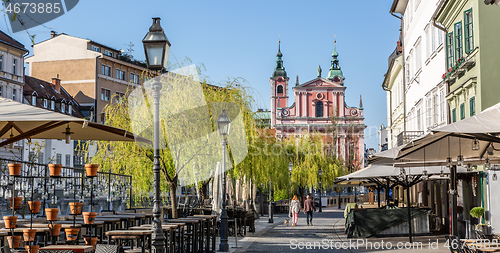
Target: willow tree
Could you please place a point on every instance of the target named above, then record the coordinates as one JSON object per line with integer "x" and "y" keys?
{"x": 189, "y": 139}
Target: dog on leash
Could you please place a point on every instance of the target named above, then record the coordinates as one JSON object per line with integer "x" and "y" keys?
{"x": 287, "y": 222}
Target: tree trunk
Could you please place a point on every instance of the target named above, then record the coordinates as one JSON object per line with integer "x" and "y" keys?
{"x": 173, "y": 198}
{"x": 261, "y": 202}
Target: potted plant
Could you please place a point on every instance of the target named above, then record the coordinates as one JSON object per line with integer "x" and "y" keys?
{"x": 32, "y": 248}
{"x": 55, "y": 229}
{"x": 89, "y": 217}
{"x": 91, "y": 169}
{"x": 75, "y": 207}
{"x": 90, "y": 240}
{"x": 72, "y": 233}
{"x": 52, "y": 213}
{"x": 14, "y": 241}
{"x": 17, "y": 202}
{"x": 55, "y": 169}
{"x": 34, "y": 206}
{"x": 10, "y": 221}
{"x": 15, "y": 169}
{"x": 478, "y": 212}
{"x": 29, "y": 235}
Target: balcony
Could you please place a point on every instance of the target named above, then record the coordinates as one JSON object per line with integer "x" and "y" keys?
{"x": 405, "y": 137}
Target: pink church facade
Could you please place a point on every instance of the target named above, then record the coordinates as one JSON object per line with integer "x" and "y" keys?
{"x": 317, "y": 104}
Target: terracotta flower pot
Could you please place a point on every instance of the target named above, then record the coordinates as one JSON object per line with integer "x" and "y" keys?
{"x": 10, "y": 221}
{"x": 72, "y": 233}
{"x": 52, "y": 213}
{"x": 90, "y": 240}
{"x": 55, "y": 229}
{"x": 29, "y": 235}
{"x": 55, "y": 169}
{"x": 91, "y": 169}
{"x": 34, "y": 206}
{"x": 14, "y": 241}
{"x": 75, "y": 207}
{"x": 15, "y": 169}
{"x": 17, "y": 202}
{"x": 32, "y": 248}
{"x": 89, "y": 217}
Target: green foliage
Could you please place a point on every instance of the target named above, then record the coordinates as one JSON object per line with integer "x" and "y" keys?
{"x": 280, "y": 194}
{"x": 477, "y": 212}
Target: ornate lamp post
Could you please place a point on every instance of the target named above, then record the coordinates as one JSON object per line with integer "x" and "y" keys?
{"x": 224, "y": 123}
{"x": 320, "y": 172}
{"x": 290, "y": 168}
{"x": 156, "y": 48}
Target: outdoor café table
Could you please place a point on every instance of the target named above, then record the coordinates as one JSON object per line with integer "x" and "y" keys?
{"x": 130, "y": 235}
{"x": 125, "y": 220}
{"x": 168, "y": 230}
{"x": 212, "y": 234}
{"x": 138, "y": 217}
{"x": 109, "y": 223}
{"x": 179, "y": 234}
{"x": 206, "y": 224}
{"x": 75, "y": 248}
{"x": 193, "y": 227}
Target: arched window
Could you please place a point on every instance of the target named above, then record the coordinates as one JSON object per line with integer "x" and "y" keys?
{"x": 319, "y": 109}
{"x": 280, "y": 89}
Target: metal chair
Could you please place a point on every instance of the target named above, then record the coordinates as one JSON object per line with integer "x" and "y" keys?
{"x": 5, "y": 249}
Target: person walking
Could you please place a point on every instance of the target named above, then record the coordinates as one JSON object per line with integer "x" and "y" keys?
{"x": 295, "y": 209}
{"x": 308, "y": 209}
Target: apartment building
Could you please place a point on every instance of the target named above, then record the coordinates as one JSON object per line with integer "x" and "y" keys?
{"x": 91, "y": 73}
{"x": 11, "y": 80}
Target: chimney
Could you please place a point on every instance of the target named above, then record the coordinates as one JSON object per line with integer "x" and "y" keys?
{"x": 56, "y": 82}
{"x": 53, "y": 34}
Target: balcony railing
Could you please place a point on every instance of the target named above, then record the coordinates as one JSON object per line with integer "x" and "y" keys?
{"x": 405, "y": 137}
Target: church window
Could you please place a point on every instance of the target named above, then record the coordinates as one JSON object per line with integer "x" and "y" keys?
{"x": 280, "y": 89}
{"x": 319, "y": 109}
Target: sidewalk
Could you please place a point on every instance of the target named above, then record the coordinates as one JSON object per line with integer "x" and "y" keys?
{"x": 327, "y": 235}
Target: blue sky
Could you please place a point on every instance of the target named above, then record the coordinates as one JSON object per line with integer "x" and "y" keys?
{"x": 240, "y": 39}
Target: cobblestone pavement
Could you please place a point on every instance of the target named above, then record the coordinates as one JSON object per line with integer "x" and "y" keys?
{"x": 318, "y": 238}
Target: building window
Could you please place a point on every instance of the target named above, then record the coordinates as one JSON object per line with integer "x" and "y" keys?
{"x": 119, "y": 97}
{"x": 45, "y": 103}
{"x": 319, "y": 109}
{"x": 14, "y": 93}
{"x": 94, "y": 48}
{"x": 120, "y": 74}
{"x": 14, "y": 61}
{"x": 134, "y": 78}
{"x": 443, "y": 106}
{"x": 407, "y": 70}
{"x": 458, "y": 41}
{"x": 52, "y": 105}
{"x": 280, "y": 89}
{"x": 428, "y": 49}
{"x": 63, "y": 107}
{"x": 435, "y": 109}
{"x": 1, "y": 62}
{"x": 70, "y": 109}
{"x": 33, "y": 100}
{"x": 1, "y": 91}
{"x": 462, "y": 111}
{"x": 472, "y": 106}
{"x": 418, "y": 57}
{"x": 105, "y": 70}
{"x": 428, "y": 111}
{"x": 105, "y": 94}
{"x": 449, "y": 50}
{"x": 419, "y": 120}
{"x": 469, "y": 39}
{"x": 68, "y": 160}
{"x": 108, "y": 53}
{"x": 454, "y": 115}
{"x": 58, "y": 159}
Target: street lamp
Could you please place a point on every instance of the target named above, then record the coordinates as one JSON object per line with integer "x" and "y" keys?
{"x": 290, "y": 168}
{"x": 156, "y": 48}
{"x": 320, "y": 172}
{"x": 224, "y": 124}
